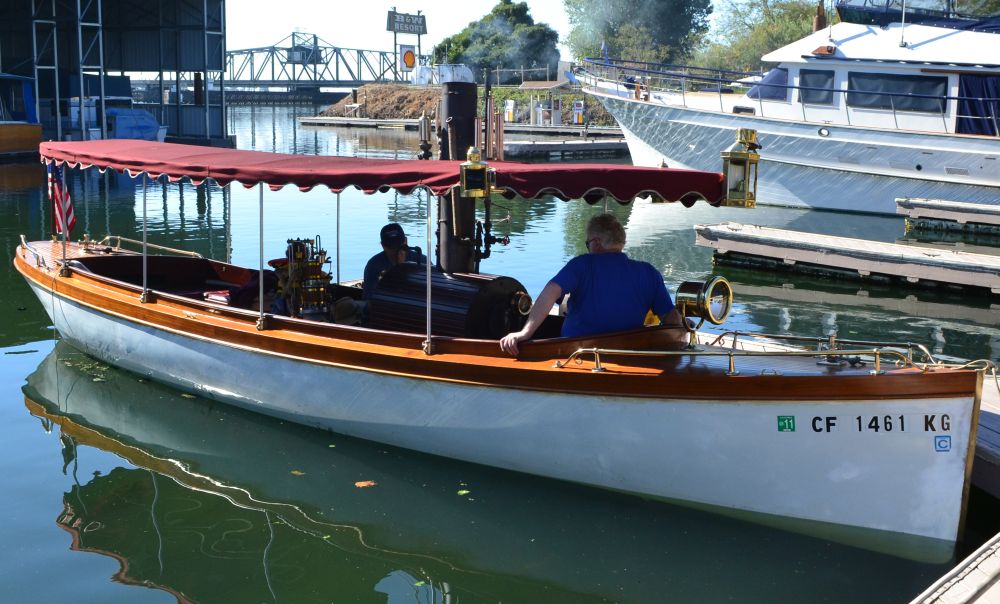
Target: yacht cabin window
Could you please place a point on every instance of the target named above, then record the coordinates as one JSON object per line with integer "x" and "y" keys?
{"x": 772, "y": 87}
{"x": 816, "y": 86}
{"x": 897, "y": 92}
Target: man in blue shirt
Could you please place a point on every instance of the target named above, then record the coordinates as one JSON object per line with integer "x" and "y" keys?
{"x": 609, "y": 291}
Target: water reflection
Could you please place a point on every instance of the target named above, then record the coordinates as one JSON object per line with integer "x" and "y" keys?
{"x": 959, "y": 324}
{"x": 953, "y": 325}
{"x": 212, "y": 499}
{"x": 206, "y": 504}
{"x": 23, "y": 210}
{"x": 222, "y": 224}
{"x": 276, "y": 129}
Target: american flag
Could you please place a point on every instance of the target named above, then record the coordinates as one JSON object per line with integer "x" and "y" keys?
{"x": 62, "y": 205}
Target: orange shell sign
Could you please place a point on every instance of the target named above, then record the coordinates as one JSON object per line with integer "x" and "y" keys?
{"x": 408, "y": 56}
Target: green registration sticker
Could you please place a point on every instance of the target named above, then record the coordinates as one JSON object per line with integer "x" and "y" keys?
{"x": 786, "y": 423}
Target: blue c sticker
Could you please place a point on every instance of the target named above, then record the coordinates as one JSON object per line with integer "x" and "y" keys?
{"x": 942, "y": 443}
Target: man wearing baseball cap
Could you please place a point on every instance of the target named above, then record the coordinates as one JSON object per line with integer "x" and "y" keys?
{"x": 394, "y": 251}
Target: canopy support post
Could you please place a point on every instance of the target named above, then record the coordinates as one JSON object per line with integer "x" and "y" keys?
{"x": 428, "y": 342}
{"x": 338, "y": 239}
{"x": 64, "y": 270}
{"x": 261, "y": 319}
{"x": 144, "y": 297}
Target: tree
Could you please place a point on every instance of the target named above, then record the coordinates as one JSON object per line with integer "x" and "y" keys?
{"x": 749, "y": 29}
{"x": 977, "y": 7}
{"x": 506, "y": 38}
{"x": 653, "y": 30}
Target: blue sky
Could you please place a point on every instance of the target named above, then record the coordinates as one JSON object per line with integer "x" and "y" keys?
{"x": 361, "y": 24}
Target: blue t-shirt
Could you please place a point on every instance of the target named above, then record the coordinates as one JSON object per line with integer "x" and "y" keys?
{"x": 610, "y": 292}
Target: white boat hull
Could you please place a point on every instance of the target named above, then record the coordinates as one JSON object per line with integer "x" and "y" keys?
{"x": 851, "y": 169}
{"x": 817, "y": 461}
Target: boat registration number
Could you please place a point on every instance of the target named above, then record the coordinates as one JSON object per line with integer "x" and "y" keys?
{"x": 926, "y": 422}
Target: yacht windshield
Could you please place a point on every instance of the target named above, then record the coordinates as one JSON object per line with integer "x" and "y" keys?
{"x": 773, "y": 87}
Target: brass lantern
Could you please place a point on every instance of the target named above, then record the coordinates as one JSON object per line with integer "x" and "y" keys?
{"x": 477, "y": 177}
{"x": 739, "y": 167}
{"x": 704, "y": 300}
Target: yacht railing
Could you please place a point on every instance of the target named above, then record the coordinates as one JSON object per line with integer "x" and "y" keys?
{"x": 645, "y": 80}
{"x": 884, "y": 12}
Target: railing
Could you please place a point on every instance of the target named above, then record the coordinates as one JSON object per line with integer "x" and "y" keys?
{"x": 884, "y": 12}
{"x": 39, "y": 258}
{"x": 731, "y": 354}
{"x": 830, "y": 343}
{"x": 635, "y": 78}
{"x": 828, "y": 349}
{"x": 118, "y": 239}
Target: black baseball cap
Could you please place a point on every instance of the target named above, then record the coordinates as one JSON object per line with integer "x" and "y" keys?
{"x": 392, "y": 235}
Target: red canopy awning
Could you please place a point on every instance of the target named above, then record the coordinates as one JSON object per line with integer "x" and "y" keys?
{"x": 564, "y": 180}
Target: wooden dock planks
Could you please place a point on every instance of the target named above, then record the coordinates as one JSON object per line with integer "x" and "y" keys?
{"x": 865, "y": 258}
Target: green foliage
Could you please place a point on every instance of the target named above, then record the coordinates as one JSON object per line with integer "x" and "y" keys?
{"x": 749, "y": 29}
{"x": 506, "y": 38}
{"x": 654, "y": 30}
{"x": 979, "y": 8}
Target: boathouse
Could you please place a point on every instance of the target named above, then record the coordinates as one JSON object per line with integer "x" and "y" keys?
{"x": 85, "y": 57}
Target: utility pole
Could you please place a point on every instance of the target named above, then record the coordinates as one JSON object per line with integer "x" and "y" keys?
{"x": 395, "y": 51}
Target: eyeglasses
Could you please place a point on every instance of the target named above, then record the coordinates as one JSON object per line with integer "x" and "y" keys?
{"x": 587, "y": 243}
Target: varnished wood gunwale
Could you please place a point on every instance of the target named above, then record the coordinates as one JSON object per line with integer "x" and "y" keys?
{"x": 470, "y": 362}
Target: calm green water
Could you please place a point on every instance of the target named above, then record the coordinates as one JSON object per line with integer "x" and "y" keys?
{"x": 115, "y": 489}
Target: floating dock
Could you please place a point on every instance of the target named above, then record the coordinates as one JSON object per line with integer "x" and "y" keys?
{"x": 581, "y": 143}
{"x": 509, "y": 128}
{"x": 19, "y": 141}
{"x": 972, "y": 580}
{"x": 793, "y": 250}
{"x": 566, "y": 149}
{"x": 360, "y": 122}
{"x": 940, "y": 214}
{"x": 986, "y": 469}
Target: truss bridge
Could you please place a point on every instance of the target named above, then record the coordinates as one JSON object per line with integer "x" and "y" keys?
{"x": 305, "y": 61}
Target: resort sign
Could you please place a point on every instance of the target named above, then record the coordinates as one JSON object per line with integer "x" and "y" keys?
{"x": 402, "y": 23}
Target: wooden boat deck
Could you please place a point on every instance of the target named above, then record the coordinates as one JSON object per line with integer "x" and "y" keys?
{"x": 858, "y": 256}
